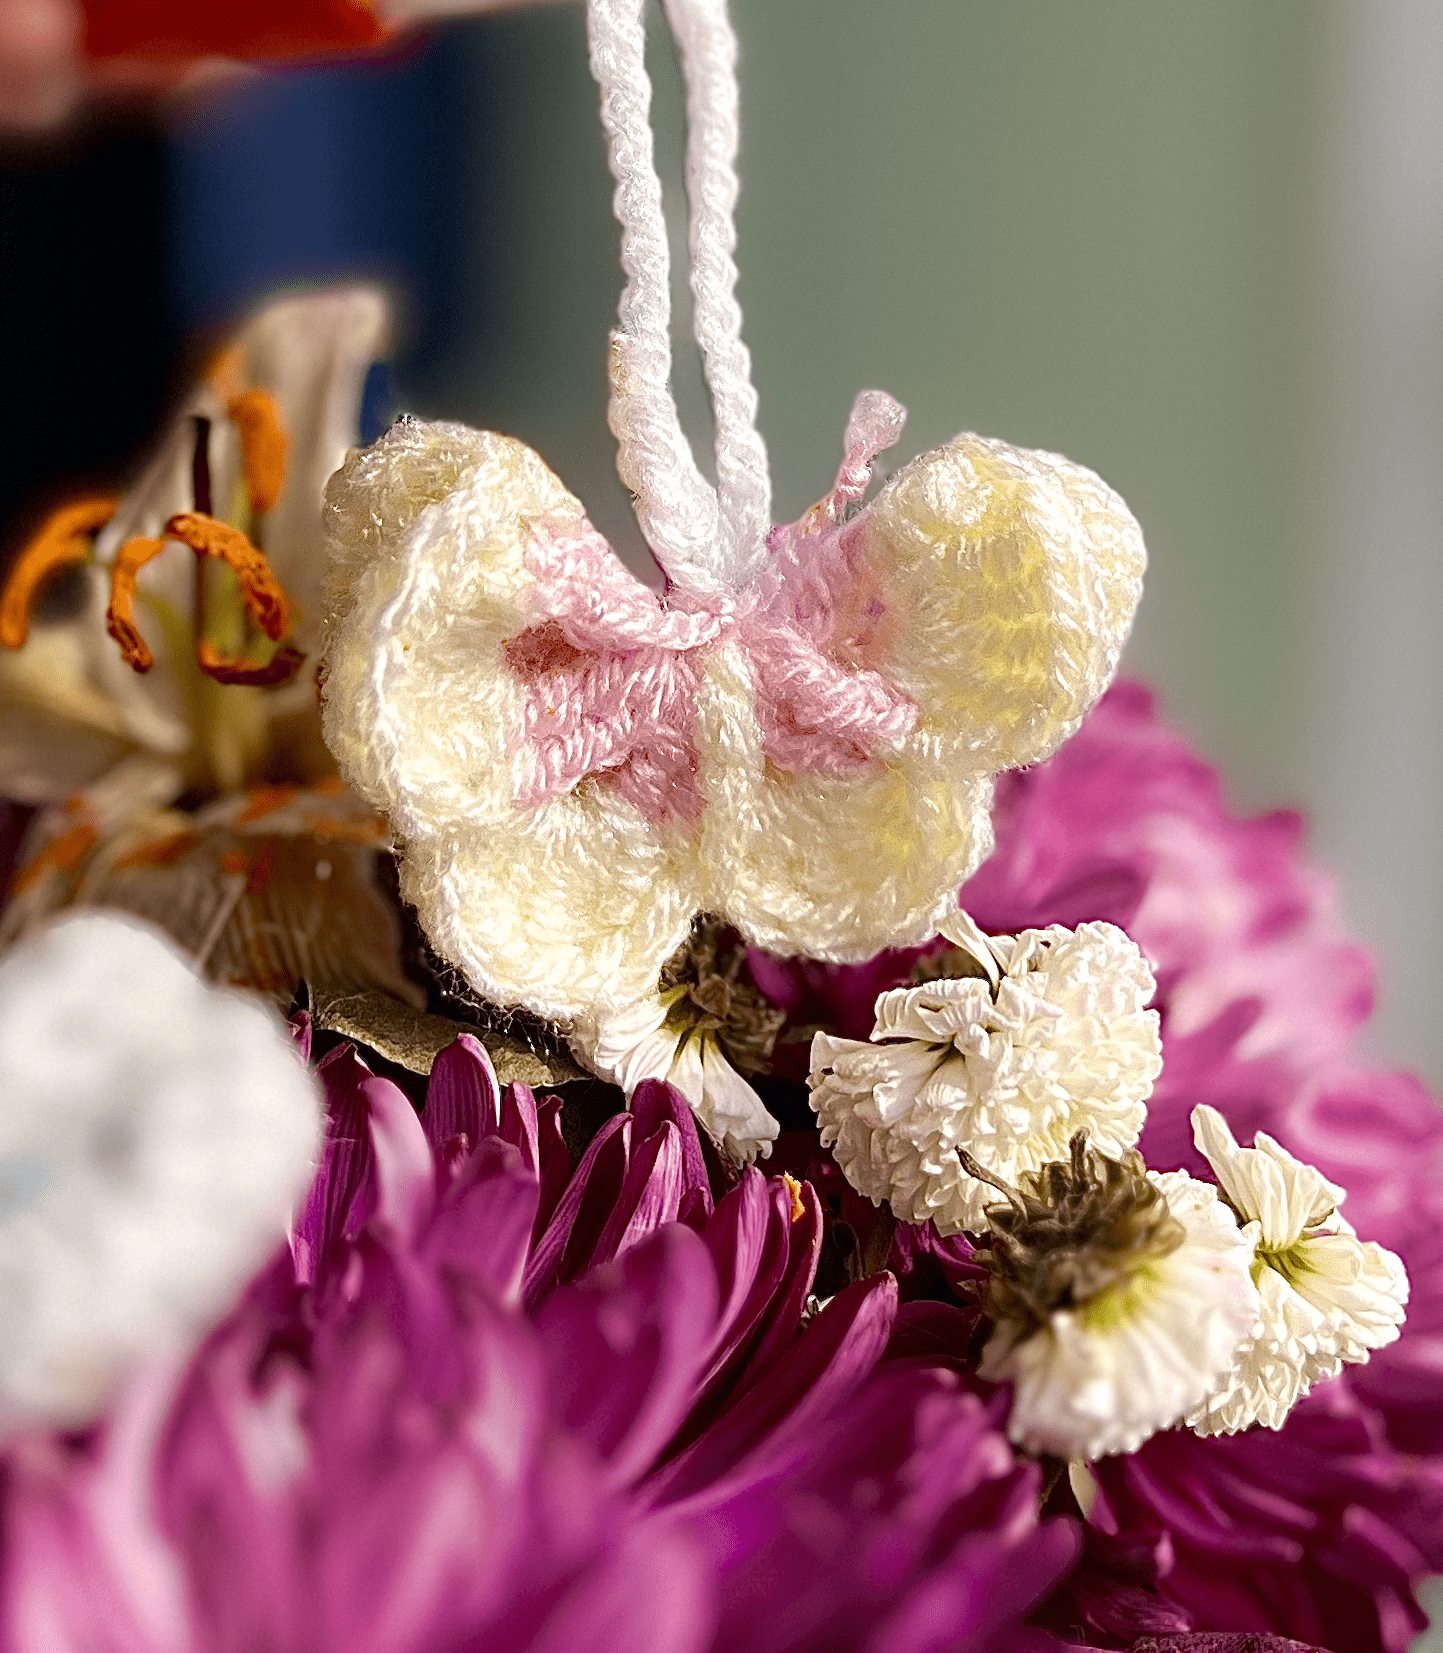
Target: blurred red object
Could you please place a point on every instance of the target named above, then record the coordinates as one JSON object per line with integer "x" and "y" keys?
{"x": 254, "y": 30}
{"x": 54, "y": 51}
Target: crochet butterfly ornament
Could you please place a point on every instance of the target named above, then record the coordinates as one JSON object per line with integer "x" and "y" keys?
{"x": 798, "y": 734}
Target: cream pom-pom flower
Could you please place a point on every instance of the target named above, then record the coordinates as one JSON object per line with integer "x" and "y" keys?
{"x": 705, "y": 1028}
{"x": 1328, "y": 1298}
{"x": 667, "y": 1037}
{"x": 1049, "y": 1036}
{"x": 1119, "y": 1296}
{"x": 155, "y": 1134}
{"x": 574, "y": 765}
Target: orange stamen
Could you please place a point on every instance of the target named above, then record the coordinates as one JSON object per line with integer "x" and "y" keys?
{"x": 263, "y": 445}
{"x": 266, "y": 800}
{"x": 209, "y": 537}
{"x": 280, "y": 668}
{"x": 64, "y": 538}
{"x": 160, "y": 852}
{"x": 794, "y": 1189}
{"x": 120, "y": 616}
{"x": 333, "y": 829}
{"x": 63, "y": 854}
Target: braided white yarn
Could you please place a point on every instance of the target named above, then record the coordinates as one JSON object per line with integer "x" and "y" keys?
{"x": 708, "y": 541}
{"x": 709, "y": 56}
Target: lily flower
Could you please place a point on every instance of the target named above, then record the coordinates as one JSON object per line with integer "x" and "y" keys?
{"x": 123, "y": 619}
{"x": 153, "y": 649}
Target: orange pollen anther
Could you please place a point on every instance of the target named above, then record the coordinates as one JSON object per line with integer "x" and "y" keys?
{"x": 794, "y": 1189}
{"x": 64, "y": 538}
{"x": 208, "y": 537}
{"x": 280, "y": 668}
{"x": 263, "y": 445}
{"x": 120, "y": 616}
{"x": 61, "y": 854}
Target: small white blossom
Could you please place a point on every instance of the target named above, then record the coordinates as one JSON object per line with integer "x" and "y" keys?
{"x": 1327, "y": 1297}
{"x": 1051, "y": 1037}
{"x": 1103, "y": 1374}
{"x": 154, "y": 1135}
{"x": 659, "y": 1038}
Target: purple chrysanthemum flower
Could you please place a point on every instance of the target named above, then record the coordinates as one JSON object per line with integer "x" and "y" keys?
{"x": 489, "y": 1402}
{"x": 1317, "y": 1529}
{"x": 1261, "y": 994}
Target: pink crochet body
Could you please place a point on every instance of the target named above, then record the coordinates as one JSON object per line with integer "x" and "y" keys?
{"x": 611, "y": 669}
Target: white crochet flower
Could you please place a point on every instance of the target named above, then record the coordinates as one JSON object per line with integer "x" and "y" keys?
{"x": 1051, "y": 1037}
{"x": 154, "y": 1135}
{"x": 1103, "y": 1374}
{"x": 658, "y": 1039}
{"x": 1327, "y": 1297}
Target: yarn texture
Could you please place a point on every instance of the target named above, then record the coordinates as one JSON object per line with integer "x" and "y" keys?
{"x": 799, "y": 735}
{"x": 575, "y": 766}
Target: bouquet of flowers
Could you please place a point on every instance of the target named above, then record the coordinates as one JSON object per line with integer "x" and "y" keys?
{"x": 781, "y": 1113}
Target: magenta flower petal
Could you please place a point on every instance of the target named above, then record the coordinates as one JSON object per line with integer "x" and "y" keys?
{"x": 483, "y": 1224}
{"x": 463, "y": 1098}
{"x": 654, "y": 1102}
{"x": 804, "y": 1248}
{"x": 749, "y": 1238}
{"x": 400, "y": 1456}
{"x": 650, "y": 1194}
{"x": 345, "y": 1163}
{"x": 625, "y": 1347}
{"x": 831, "y": 1357}
{"x": 905, "y": 1525}
{"x": 1318, "y": 1530}
{"x": 583, "y": 1211}
{"x": 402, "y": 1166}
{"x": 656, "y": 1592}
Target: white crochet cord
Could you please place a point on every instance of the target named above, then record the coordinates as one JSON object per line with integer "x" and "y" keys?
{"x": 710, "y": 542}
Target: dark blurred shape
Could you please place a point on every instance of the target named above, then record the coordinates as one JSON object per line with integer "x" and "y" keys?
{"x": 140, "y": 236}
{"x": 88, "y": 350}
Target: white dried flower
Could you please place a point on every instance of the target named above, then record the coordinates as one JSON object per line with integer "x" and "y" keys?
{"x": 664, "y": 1037}
{"x": 1119, "y": 1298}
{"x": 154, "y": 1135}
{"x": 1048, "y": 1038}
{"x": 1327, "y": 1297}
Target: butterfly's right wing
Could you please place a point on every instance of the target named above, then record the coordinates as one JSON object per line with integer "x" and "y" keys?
{"x": 987, "y": 588}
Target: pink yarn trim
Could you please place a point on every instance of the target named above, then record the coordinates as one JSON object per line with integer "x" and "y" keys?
{"x": 610, "y": 669}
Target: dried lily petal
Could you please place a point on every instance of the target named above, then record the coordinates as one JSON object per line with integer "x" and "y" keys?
{"x": 262, "y": 889}
{"x": 413, "y": 1039}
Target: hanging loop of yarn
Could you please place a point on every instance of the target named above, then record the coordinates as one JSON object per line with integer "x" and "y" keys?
{"x": 709, "y": 541}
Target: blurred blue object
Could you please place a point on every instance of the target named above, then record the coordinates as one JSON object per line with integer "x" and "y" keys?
{"x": 325, "y": 172}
